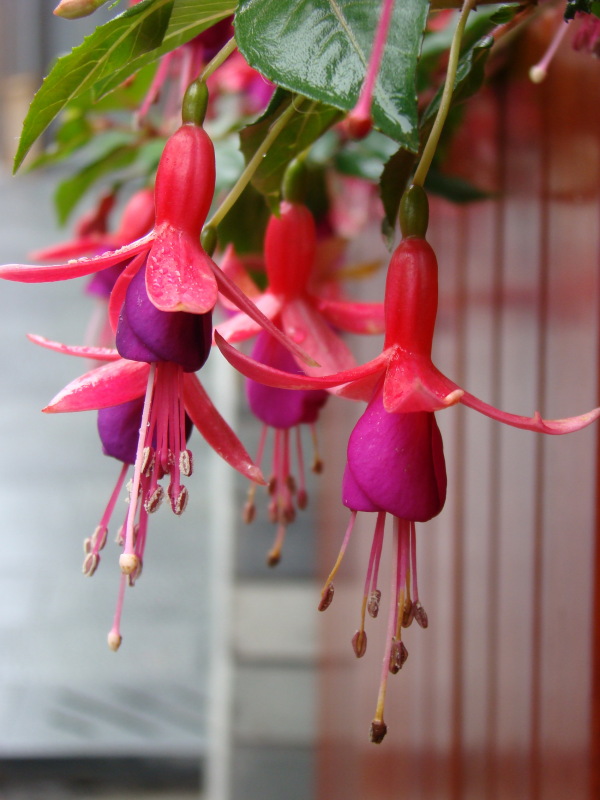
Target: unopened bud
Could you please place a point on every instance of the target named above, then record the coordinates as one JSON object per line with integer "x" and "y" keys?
{"x": 326, "y": 597}
{"x": 378, "y": 731}
{"x": 75, "y": 9}
{"x": 359, "y": 643}
{"x": 357, "y": 126}
{"x": 373, "y": 604}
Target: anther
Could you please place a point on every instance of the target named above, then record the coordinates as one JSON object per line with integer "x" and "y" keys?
{"x": 359, "y": 643}
{"x": 147, "y": 461}
{"x": 420, "y": 615}
{"x": 317, "y": 466}
{"x": 154, "y": 499}
{"x": 373, "y": 604}
{"x": 128, "y": 562}
{"x": 272, "y": 485}
{"x": 249, "y": 512}
{"x": 326, "y": 597}
{"x": 291, "y": 483}
{"x": 398, "y": 656}
{"x": 120, "y": 538}
{"x": 408, "y": 614}
{"x": 273, "y": 557}
{"x": 99, "y": 537}
{"x": 186, "y": 462}
{"x": 90, "y": 563}
{"x": 302, "y": 499}
{"x": 378, "y": 731}
{"x": 87, "y": 545}
{"x": 179, "y": 502}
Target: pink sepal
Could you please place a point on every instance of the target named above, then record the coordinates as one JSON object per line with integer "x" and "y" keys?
{"x": 108, "y": 385}
{"x": 179, "y": 274}
{"x": 284, "y": 380}
{"x": 361, "y": 318}
{"x": 303, "y": 324}
{"x": 97, "y": 353}
{"x": 28, "y": 273}
{"x": 241, "y": 327}
{"x": 215, "y": 430}
{"x": 235, "y": 295}
{"x": 555, "y": 427}
{"x": 412, "y": 383}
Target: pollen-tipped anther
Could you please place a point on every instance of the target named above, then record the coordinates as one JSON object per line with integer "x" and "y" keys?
{"x": 114, "y": 640}
{"x": 326, "y": 597}
{"x": 359, "y": 643}
{"x": 378, "y": 731}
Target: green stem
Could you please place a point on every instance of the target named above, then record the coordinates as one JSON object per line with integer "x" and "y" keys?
{"x": 445, "y": 102}
{"x": 252, "y": 165}
{"x": 221, "y": 56}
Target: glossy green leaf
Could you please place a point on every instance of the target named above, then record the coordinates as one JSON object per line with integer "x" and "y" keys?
{"x": 309, "y": 121}
{"x": 320, "y": 49}
{"x": 115, "y": 51}
{"x": 453, "y": 188}
{"x": 70, "y": 191}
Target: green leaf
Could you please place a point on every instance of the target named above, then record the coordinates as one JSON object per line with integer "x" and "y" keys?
{"x": 469, "y": 78}
{"x": 244, "y": 226}
{"x": 453, "y": 188}
{"x": 115, "y": 51}
{"x": 320, "y": 49}
{"x": 394, "y": 179}
{"x": 309, "y": 121}
{"x": 70, "y": 191}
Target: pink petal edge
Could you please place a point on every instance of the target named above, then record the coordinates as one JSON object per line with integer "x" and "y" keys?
{"x": 241, "y": 327}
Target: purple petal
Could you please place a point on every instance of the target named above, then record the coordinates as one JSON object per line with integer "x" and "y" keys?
{"x": 281, "y": 408}
{"x": 396, "y": 462}
{"x": 146, "y": 334}
{"x": 119, "y": 428}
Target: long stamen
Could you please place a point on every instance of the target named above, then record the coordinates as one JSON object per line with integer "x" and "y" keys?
{"x": 538, "y": 72}
{"x": 97, "y": 540}
{"x": 249, "y": 510}
{"x": 128, "y": 561}
{"x": 114, "y": 635}
{"x": 317, "y": 465}
{"x": 327, "y": 591}
{"x": 302, "y": 495}
{"x": 375, "y": 594}
{"x": 369, "y": 600}
{"x": 378, "y": 726}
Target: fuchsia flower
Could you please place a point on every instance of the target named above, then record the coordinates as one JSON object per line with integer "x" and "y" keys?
{"x": 179, "y": 274}
{"x": 148, "y": 398}
{"x": 309, "y": 318}
{"x": 395, "y": 461}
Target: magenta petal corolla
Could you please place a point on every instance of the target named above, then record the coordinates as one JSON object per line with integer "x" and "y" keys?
{"x": 108, "y": 385}
{"x": 281, "y": 408}
{"x": 353, "y": 496}
{"x": 119, "y": 429}
{"x": 397, "y": 461}
{"x": 215, "y": 430}
{"x": 144, "y": 333}
{"x": 179, "y": 274}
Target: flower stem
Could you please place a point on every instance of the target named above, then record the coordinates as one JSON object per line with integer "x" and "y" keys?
{"x": 221, "y": 56}
{"x": 251, "y": 167}
{"x": 445, "y": 102}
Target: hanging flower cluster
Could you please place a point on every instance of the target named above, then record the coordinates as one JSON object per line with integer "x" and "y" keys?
{"x": 283, "y": 253}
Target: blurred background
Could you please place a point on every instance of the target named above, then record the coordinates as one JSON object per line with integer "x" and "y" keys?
{"x": 228, "y": 684}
